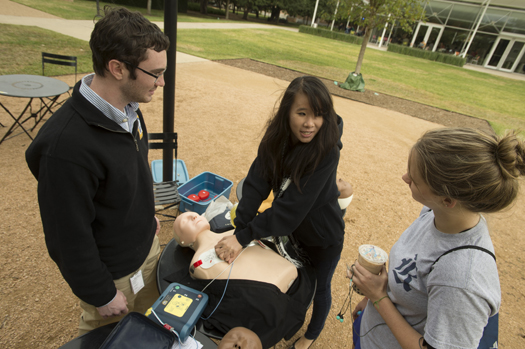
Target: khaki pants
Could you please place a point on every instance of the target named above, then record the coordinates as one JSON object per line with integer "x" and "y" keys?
{"x": 140, "y": 302}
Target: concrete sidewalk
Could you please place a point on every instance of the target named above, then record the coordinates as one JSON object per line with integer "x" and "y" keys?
{"x": 16, "y": 14}
{"x": 81, "y": 29}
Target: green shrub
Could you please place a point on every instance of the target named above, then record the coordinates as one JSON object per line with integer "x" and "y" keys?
{"x": 325, "y": 33}
{"x": 155, "y": 4}
{"x": 196, "y": 7}
{"x": 182, "y": 5}
{"x": 433, "y": 56}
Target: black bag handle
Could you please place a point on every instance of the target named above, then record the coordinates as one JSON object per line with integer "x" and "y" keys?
{"x": 463, "y": 248}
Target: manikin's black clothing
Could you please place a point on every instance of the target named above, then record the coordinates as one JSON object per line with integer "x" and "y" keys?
{"x": 258, "y": 306}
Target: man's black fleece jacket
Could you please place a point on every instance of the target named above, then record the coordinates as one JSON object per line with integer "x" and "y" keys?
{"x": 95, "y": 192}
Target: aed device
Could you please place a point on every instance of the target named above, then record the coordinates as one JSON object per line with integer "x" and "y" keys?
{"x": 180, "y": 307}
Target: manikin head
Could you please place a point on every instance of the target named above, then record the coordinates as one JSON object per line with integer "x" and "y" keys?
{"x": 240, "y": 337}
{"x": 187, "y": 227}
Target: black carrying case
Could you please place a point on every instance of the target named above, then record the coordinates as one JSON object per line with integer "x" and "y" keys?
{"x": 137, "y": 331}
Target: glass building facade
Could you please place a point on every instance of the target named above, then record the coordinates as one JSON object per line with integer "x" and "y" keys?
{"x": 490, "y": 33}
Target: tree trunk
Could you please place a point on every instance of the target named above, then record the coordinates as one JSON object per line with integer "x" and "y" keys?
{"x": 366, "y": 37}
{"x": 98, "y": 9}
{"x": 149, "y": 7}
{"x": 227, "y": 8}
{"x": 245, "y": 14}
{"x": 276, "y": 10}
{"x": 204, "y": 7}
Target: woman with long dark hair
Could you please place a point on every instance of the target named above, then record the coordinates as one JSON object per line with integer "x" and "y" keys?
{"x": 297, "y": 159}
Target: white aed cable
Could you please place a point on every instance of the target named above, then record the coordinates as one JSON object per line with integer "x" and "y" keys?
{"x": 171, "y": 329}
{"x": 225, "y": 287}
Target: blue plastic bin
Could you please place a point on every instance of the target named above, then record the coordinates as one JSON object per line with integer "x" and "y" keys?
{"x": 182, "y": 172}
{"x": 214, "y": 184}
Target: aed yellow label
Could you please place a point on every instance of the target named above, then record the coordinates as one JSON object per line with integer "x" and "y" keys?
{"x": 178, "y": 305}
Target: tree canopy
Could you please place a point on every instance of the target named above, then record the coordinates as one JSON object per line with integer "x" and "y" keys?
{"x": 376, "y": 13}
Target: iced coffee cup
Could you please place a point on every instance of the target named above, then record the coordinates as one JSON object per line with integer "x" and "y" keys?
{"x": 372, "y": 258}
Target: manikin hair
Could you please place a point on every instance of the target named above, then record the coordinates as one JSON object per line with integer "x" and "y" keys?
{"x": 479, "y": 170}
{"x": 302, "y": 158}
{"x": 125, "y": 36}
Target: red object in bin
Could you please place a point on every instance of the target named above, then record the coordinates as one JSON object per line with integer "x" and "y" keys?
{"x": 194, "y": 197}
{"x": 203, "y": 194}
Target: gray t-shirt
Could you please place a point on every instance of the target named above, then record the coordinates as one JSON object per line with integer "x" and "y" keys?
{"x": 451, "y": 306}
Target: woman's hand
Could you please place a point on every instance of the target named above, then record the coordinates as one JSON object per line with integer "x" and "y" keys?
{"x": 371, "y": 285}
{"x": 359, "y": 308}
{"x": 228, "y": 248}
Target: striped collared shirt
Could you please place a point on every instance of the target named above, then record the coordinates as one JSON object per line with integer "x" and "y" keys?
{"x": 125, "y": 119}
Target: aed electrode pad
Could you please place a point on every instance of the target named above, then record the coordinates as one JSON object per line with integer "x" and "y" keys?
{"x": 206, "y": 260}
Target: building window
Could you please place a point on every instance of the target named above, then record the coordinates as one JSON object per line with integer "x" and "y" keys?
{"x": 452, "y": 40}
{"x": 480, "y": 47}
{"x": 437, "y": 12}
{"x": 463, "y": 16}
{"x": 515, "y": 23}
{"x": 494, "y": 21}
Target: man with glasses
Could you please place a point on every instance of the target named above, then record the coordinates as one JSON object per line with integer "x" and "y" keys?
{"x": 95, "y": 188}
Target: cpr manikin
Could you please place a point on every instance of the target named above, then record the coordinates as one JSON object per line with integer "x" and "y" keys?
{"x": 254, "y": 263}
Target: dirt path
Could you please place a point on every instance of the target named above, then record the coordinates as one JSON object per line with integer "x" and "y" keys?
{"x": 220, "y": 113}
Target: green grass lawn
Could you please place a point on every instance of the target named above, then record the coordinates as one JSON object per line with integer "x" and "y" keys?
{"x": 84, "y": 9}
{"x": 496, "y": 99}
{"x": 21, "y": 51}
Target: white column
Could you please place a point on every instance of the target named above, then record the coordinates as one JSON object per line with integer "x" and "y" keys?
{"x": 335, "y": 13}
{"x": 391, "y": 29}
{"x": 315, "y": 12}
{"x": 384, "y": 32}
{"x": 415, "y": 34}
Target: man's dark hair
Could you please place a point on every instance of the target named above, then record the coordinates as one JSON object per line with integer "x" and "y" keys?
{"x": 125, "y": 36}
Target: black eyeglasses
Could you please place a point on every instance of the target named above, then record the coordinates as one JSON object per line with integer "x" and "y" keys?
{"x": 147, "y": 72}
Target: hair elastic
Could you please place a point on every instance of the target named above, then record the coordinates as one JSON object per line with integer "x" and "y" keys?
{"x": 380, "y": 299}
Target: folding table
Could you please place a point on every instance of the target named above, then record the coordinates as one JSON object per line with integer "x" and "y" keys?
{"x": 30, "y": 86}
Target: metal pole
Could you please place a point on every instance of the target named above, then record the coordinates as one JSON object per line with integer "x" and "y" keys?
{"x": 475, "y": 30}
{"x": 170, "y": 29}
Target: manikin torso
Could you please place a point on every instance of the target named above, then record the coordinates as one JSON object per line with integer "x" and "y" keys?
{"x": 254, "y": 263}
